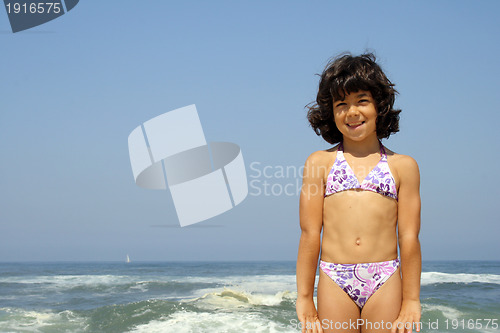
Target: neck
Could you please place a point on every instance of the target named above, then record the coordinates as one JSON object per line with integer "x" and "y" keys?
{"x": 362, "y": 148}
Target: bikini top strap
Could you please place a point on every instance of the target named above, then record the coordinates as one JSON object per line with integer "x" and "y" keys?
{"x": 382, "y": 152}
{"x": 340, "y": 150}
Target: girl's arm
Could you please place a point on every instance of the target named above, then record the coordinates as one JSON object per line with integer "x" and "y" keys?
{"x": 311, "y": 222}
{"x": 409, "y": 245}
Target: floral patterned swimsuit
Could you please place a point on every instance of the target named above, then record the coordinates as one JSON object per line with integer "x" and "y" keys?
{"x": 379, "y": 180}
{"x": 360, "y": 281}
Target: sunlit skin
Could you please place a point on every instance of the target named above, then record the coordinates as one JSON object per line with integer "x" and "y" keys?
{"x": 356, "y": 117}
{"x": 359, "y": 226}
{"x": 347, "y": 238}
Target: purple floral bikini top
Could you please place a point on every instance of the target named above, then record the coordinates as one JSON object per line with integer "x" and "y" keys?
{"x": 379, "y": 180}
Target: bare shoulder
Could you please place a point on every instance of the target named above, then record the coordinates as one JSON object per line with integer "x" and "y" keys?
{"x": 320, "y": 161}
{"x": 322, "y": 157}
{"x": 405, "y": 165}
{"x": 319, "y": 157}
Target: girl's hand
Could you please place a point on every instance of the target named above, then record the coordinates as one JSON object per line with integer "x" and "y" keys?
{"x": 308, "y": 316}
{"x": 408, "y": 317}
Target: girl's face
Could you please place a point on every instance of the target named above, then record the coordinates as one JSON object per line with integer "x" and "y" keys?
{"x": 356, "y": 115}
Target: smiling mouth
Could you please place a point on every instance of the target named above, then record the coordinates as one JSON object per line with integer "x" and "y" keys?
{"x": 354, "y": 125}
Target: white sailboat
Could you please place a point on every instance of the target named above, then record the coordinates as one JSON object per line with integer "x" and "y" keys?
{"x": 128, "y": 259}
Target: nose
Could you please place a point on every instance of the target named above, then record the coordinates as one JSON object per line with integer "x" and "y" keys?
{"x": 352, "y": 111}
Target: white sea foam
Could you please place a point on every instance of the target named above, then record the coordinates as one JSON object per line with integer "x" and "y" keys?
{"x": 438, "y": 277}
{"x": 245, "y": 292}
{"x": 252, "y": 282}
{"x": 232, "y": 299}
{"x": 255, "y": 280}
{"x": 187, "y": 322}
{"x": 260, "y": 289}
{"x": 37, "y": 321}
{"x": 264, "y": 283}
{"x": 267, "y": 290}
{"x": 447, "y": 311}
{"x": 69, "y": 280}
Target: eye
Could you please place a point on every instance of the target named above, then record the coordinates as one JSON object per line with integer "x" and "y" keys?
{"x": 340, "y": 104}
{"x": 364, "y": 101}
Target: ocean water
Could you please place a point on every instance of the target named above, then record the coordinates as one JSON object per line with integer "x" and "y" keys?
{"x": 457, "y": 296}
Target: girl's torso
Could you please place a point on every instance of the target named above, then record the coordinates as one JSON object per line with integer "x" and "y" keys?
{"x": 360, "y": 207}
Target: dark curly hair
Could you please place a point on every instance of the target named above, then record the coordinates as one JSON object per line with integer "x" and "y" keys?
{"x": 343, "y": 75}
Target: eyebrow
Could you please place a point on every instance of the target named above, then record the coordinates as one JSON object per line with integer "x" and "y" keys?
{"x": 357, "y": 96}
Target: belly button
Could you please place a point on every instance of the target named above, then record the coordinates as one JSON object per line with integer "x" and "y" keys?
{"x": 358, "y": 241}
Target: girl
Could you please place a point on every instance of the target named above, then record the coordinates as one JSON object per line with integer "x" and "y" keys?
{"x": 365, "y": 199}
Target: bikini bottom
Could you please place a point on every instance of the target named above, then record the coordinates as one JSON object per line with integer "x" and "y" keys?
{"x": 360, "y": 281}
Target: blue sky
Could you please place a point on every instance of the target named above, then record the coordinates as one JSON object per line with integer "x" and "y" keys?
{"x": 74, "y": 88}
